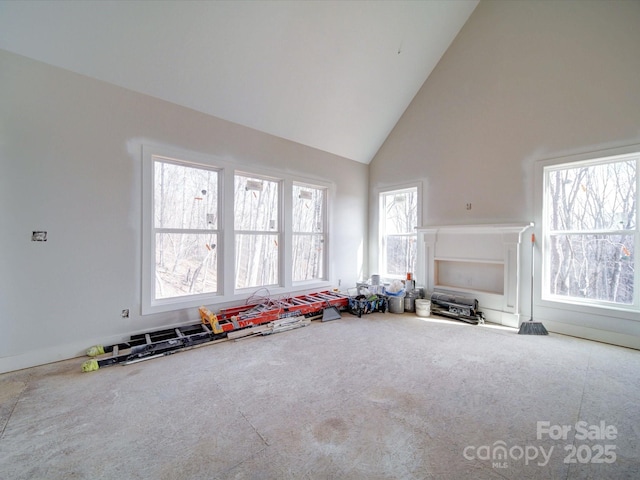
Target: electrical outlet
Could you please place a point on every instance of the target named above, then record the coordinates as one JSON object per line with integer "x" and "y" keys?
{"x": 468, "y": 206}
{"x": 125, "y": 313}
{"x": 339, "y": 282}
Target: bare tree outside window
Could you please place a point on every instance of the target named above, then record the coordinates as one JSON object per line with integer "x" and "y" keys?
{"x": 185, "y": 228}
{"x": 398, "y": 221}
{"x": 591, "y": 220}
{"x": 257, "y": 224}
{"x": 212, "y": 234}
{"x": 308, "y": 233}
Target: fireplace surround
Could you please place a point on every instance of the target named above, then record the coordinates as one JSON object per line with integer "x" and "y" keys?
{"x": 481, "y": 261}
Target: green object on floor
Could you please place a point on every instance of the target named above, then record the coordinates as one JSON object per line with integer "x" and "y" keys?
{"x": 90, "y": 366}
{"x": 95, "y": 351}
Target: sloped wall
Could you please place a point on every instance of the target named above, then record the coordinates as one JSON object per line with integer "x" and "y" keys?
{"x": 522, "y": 82}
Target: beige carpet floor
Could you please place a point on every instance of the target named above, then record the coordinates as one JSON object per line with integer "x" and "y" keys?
{"x": 385, "y": 396}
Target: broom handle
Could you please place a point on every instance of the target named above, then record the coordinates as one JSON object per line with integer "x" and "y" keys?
{"x": 533, "y": 244}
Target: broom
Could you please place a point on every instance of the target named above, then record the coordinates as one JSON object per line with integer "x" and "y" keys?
{"x": 531, "y": 327}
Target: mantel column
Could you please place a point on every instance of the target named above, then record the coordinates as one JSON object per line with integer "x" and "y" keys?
{"x": 426, "y": 259}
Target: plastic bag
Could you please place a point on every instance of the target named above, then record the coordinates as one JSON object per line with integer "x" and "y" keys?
{"x": 395, "y": 289}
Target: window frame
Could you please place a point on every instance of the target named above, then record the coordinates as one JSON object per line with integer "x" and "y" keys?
{"x": 185, "y": 230}
{"x": 227, "y": 293}
{"x": 542, "y": 294}
{"x": 396, "y": 189}
{"x": 278, "y": 232}
{"x": 323, "y": 234}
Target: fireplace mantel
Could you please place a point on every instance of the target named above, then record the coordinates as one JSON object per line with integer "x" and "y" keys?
{"x": 481, "y": 260}
{"x": 479, "y": 228}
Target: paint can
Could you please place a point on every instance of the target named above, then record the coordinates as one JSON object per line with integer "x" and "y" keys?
{"x": 396, "y": 304}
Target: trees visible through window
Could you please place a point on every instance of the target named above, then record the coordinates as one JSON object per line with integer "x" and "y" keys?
{"x": 215, "y": 234}
{"x": 398, "y": 222}
{"x": 591, "y": 226}
{"x": 257, "y": 225}
{"x": 185, "y": 229}
{"x": 308, "y": 233}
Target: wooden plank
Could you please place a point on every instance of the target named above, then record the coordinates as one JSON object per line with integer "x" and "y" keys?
{"x": 245, "y": 332}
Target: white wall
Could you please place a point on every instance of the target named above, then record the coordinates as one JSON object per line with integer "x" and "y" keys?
{"x": 523, "y": 81}
{"x": 70, "y": 158}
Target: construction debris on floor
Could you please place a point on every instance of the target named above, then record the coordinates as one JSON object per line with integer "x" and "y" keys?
{"x": 264, "y": 318}
{"x": 459, "y": 307}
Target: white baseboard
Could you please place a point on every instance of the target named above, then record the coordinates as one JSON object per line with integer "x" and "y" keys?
{"x": 42, "y": 356}
{"x": 501, "y": 318}
{"x": 57, "y": 353}
{"x": 613, "y": 338}
{"x": 76, "y": 350}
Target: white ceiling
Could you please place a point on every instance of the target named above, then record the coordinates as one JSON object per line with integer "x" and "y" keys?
{"x": 334, "y": 75}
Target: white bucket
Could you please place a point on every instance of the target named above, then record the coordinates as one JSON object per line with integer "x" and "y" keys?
{"x": 423, "y": 307}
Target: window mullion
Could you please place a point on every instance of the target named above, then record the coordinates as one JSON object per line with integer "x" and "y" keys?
{"x": 227, "y": 250}
{"x": 286, "y": 235}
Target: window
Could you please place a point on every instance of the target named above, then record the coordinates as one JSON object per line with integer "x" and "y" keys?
{"x": 398, "y": 222}
{"x": 308, "y": 233}
{"x": 591, "y": 231}
{"x": 257, "y": 224}
{"x": 214, "y": 233}
{"x": 185, "y": 223}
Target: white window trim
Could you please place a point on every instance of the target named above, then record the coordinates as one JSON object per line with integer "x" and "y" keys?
{"x": 226, "y": 267}
{"x": 280, "y": 232}
{"x": 325, "y": 231}
{"x": 380, "y": 251}
{"x": 588, "y": 307}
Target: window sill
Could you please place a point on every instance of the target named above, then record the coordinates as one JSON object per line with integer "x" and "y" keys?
{"x": 629, "y": 312}
{"x": 240, "y": 297}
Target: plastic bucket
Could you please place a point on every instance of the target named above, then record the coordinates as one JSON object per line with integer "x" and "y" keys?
{"x": 423, "y": 307}
{"x": 396, "y": 304}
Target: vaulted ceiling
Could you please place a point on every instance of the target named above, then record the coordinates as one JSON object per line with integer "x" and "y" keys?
{"x": 333, "y": 75}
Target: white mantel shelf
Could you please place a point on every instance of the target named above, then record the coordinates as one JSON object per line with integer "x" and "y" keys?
{"x": 482, "y": 260}
{"x": 478, "y": 228}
